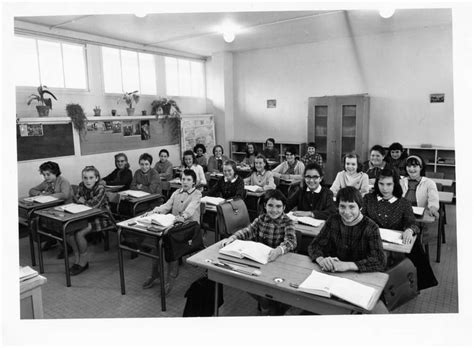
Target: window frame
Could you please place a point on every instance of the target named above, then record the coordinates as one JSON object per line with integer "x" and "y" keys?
{"x": 188, "y": 61}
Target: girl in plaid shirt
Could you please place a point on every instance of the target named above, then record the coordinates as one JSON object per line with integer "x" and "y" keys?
{"x": 275, "y": 229}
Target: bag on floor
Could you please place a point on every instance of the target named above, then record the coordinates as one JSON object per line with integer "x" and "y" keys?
{"x": 181, "y": 240}
{"x": 200, "y": 298}
{"x": 402, "y": 284}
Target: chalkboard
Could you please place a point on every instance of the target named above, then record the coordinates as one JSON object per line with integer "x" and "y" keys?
{"x": 44, "y": 141}
{"x": 114, "y": 136}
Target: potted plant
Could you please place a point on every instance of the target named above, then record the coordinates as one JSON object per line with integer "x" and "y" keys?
{"x": 46, "y": 103}
{"x": 129, "y": 98}
{"x": 168, "y": 107}
{"x": 78, "y": 118}
{"x": 97, "y": 111}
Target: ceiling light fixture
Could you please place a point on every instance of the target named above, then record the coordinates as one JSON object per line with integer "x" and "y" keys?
{"x": 387, "y": 12}
{"x": 228, "y": 31}
{"x": 140, "y": 14}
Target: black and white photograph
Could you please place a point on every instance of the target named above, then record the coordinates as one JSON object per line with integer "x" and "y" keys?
{"x": 340, "y": 216}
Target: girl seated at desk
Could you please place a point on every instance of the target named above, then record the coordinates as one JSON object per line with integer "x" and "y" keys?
{"x": 90, "y": 192}
{"x": 270, "y": 152}
{"x": 311, "y": 199}
{"x": 261, "y": 175}
{"x": 164, "y": 167}
{"x": 352, "y": 175}
{"x": 201, "y": 158}
{"x": 291, "y": 169}
{"x": 230, "y": 185}
{"x": 396, "y": 157}
{"x": 185, "y": 205}
{"x": 146, "y": 178}
{"x": 389, "y": 209}
{"x": 121, "y": 175}
{"x": 374, "y": 166}
{"x": 189, "y": 162}
{"x": 54, "y": 184}
{"x": 312, "y": 156}
{"x": 216, "y": 162}
{"x": 250, "y": 155}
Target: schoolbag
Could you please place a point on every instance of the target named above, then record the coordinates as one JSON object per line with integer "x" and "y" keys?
{"x": 200, "y": 298}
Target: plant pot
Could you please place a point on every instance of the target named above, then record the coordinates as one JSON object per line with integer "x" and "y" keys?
{"x": 96, "y": 112}
{"x": 43, "y": 110}
{"x": 114, "y": 112}
{"x": 166, "y": 109}
{"x": 130, "y": 111}
{"x": 143, "y": 112}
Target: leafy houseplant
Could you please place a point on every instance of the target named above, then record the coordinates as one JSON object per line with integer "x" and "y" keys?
{"x": 78, "y": 118}
{"x": 129, "y": 98}
{"x": 46, "y": 103}
{"x": 168, "y": 107}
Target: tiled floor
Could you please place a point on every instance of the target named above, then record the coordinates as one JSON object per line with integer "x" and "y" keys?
{"x": 96, "y": 292}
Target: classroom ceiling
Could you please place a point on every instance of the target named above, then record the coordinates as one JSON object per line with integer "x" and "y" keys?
{"x": 198, "y": 33}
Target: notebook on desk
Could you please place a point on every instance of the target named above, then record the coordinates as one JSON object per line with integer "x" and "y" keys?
{"x": 418, "y": 211}
{"x": 212, "y": 200}
{"x": 391, "y": 236}
{"x": 305, "y": 220}
{"x": 163, "y": 220}
{"x": 252, "y": 188}
{"x": 73, "y": 208}
{"x": 134, "y": 193}
{"x": 244, "y": 248}
{"x": 26, "y": 273}
{"x": 40, "y": 199}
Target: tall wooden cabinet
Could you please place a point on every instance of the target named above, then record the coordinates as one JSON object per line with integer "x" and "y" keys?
{"x": 338, "y": 125}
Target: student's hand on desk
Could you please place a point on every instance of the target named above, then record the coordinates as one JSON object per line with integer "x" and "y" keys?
{"x": 301, "y": 213}
{"x": 341, "y": 266}
{"x": 433, "y": 211}
{"x": 327, "y": 263}
{"x": 274, "y": 253}
{"x": 407, "y": 236}
{"x": 226, "y": 241}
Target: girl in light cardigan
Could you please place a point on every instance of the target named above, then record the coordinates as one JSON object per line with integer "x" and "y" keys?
{"x": 262, "y": 175}
{"x": 417, "y": 188}
{"x": 352, "y": 175}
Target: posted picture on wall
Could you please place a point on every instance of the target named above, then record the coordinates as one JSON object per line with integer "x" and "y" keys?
{"x": 31, "y": 130}
{"x": 271, "y": 103}
{"x": 437, "y": 98}
{"x": 145, "y": 130}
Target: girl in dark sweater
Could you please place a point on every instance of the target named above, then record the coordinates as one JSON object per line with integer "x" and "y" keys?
{"x": 230, "y": 185}
{"x": 311, "y": 199}
{"x": 122, "y": 175}
{"x": 389, "y": 209}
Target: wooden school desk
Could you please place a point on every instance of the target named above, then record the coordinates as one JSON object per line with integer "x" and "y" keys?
{"x": 31, "y": 299}
{"x": 445, "y": 197}
{"x": 132, "y": 206}
{"x": 62, "y": 223}
{"x": 141, "y": 230}
{"x": 291, "y": 268}
{"x": 25, "y": 217}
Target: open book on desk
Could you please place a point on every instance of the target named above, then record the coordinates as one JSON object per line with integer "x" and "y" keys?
{"x": 40, "y": 199}
{"x": 325, "y": 285}
{"x": 418, "y": 211}
{"x": 245, "y": 248}
{"x": 391, "y": 236}
{"x": 306, "y": 220}
{"x": 163, "y": 220}
{"x": 253, "y": 188}
{"x": 133, "y": 193}
{"x": 26, "y": 273}
{"x": 212, "y": 200}
{"x": 73, "y": 208}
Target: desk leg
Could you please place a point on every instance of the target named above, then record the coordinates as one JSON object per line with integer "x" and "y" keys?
{"x": 120, "y": 256}
{"x": 216, "y": 299}
{"x": 66, "y": 257}
{"x": 40, "y": 252}
{"x": 440, "y": 234}
{"x": 159, "y": 246}
{"x": 32, "y": 242}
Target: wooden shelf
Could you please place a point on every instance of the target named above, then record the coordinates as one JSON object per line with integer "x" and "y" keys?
{"x": 65, "y": 119}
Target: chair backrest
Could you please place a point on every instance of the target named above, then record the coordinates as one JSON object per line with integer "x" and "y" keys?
{"x": 439, "y": 186}
{"x": 435, "y": 175}
{"x": 232, "y": 215}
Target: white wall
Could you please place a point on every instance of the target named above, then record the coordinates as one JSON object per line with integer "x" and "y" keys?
{"x": 398, "y": 70}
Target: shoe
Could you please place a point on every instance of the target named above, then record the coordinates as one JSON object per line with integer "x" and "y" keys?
{"x": 50, "y": 244}
{"x": 174, "y": 269}
{"x": 73, "y": 268}
{"x": 149, "y": 283}
{"x": 79, "y": 269}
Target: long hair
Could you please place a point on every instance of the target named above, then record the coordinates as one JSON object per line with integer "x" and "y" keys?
{"x": 387, "y": 173}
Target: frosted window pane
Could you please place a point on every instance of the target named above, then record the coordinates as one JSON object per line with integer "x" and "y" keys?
{"x": 197, "y": 79}
{"x": 74, "y": 66}
{"x": 147, "y": 74}
{"x": 171, "y": 68}
{"x": 51, "y": 66}
{"x": 111, "y": 70}
{"x": 184, "y": 72}
{"x": 130, "y": 71}
{"x": 26, "y": 62}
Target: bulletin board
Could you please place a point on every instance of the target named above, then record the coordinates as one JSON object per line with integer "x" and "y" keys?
{"x": 198, "y": 130}
{"x": 130, "y": 134}
{"x": 36, "y": 141}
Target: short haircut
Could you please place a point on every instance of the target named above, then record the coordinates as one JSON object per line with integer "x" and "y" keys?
{"x": 387, "y": 173}
{"x": 215, "y": 147}
{"x": 164, "y": 151}
{"x": 349, "y": 194}
{"x": 378, "y": 148}
{"x": 314, "y": 166}
{"x": 352, "y": 155}
{"x": 395, "y": 146}
{"x": 121, "y": 154}
{"x": 233, "y": 164}
{"x": 275, "y": 194}
{"x": 291, "y": 150}
{"x": 270, "y": 140}
{"x": 199, "y": 146}
{"x": 191, "y": 173}
{"x": 312, "y": 144}
{"x": 51, "y": 167}
{"x": 266, "y": 166}
{"x": 91, "y": 169}
{"x": 417, "y": 161}
{"x": 189, "y": 153}
{"x": 146, "y": 157}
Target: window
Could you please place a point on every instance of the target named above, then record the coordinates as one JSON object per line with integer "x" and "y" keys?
{"x": 127, "y": 71}
{"x": 184, "y": 77}
{"x": 51, "y": 63}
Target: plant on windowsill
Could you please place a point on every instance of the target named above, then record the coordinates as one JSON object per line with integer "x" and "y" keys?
{"x": 130, "y": 98}
{"x": 78, "y": 118}
{"x": 164, "y": 106}
{"x": 46, "y": 103}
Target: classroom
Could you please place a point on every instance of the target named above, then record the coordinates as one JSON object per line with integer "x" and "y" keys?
{"x": 296, "y": 94}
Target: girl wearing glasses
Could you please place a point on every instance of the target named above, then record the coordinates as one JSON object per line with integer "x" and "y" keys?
{"x": 121, "y": 175}
{"x": 352, "y": 175}
{"x": 311, "y": 199}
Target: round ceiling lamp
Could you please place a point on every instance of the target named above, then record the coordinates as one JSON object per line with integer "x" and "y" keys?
{"x": 387, "y": 12}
